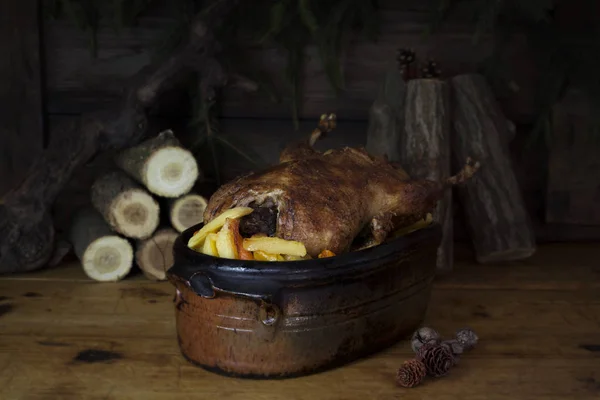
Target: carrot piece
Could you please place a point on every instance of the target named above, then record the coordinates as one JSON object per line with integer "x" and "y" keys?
{"x": 243, "y": 254}
{"x": 326, "y": 253}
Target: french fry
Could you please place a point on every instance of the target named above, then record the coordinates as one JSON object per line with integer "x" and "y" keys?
{"x": 423, "y": 223}
{"x": 198, "y": 238}
{"x": 226, "y": 241}
{"x": 210, "y": 245}
{"x": 262, "y": 256}
{"x": 274, "y": 245}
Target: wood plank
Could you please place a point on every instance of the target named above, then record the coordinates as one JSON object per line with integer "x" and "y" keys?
{"x": 21, "y": 114}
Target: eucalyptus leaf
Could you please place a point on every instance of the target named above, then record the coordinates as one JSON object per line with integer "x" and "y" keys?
{"x": 244, "y": 153}
{"x": 308, "y": 18}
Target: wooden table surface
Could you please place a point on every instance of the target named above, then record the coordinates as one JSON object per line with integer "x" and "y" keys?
{"x": 538, "y": 322}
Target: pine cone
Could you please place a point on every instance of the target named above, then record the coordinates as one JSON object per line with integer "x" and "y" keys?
{"x": 431, "y": 70}
{"x": 423, "y": 336}
{"x": 454, "y": 346}
{"x": 405, "y": 57}
{"x": 437, "y": 359}
{"x": 411, "y": 373}
{"x": 467, "y": 337}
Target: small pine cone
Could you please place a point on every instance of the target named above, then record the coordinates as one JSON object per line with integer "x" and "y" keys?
{"x": 411, "y": 373}
{"x": 438, "y": 359}
{"x": 422, "y": 336}
{"x": 405, "y": 57}
{"x": 467, "y": 337}
{"x": 454, "y": 346}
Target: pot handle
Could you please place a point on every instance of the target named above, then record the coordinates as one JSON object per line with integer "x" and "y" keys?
{"x": 204, "y": 287}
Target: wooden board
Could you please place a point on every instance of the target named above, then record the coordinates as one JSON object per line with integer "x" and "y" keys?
{"x": 535, "y": 341}
{"x": 76, "y": 82}
{"x": 573, "y": 193}
{"x": 21, "y": 113}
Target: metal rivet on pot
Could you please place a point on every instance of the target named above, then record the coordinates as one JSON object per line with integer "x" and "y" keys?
{"x": 268, "y": 314}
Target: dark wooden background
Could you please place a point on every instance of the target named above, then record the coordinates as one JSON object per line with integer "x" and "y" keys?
{"x": 52, "y": 62}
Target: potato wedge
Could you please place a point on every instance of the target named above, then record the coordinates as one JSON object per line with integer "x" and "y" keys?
{"x": 226, "y": 241}
{"x": 262, "y": 256}
{"x": 273, "y": 245}
{"x": 213, "y": 226}
{"x": 210, "y": 245}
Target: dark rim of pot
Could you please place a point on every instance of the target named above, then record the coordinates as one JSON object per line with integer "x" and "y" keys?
{"x": 366, "y": 258}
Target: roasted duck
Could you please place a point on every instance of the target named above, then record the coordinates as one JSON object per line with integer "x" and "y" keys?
{"x": 333, "y": 201}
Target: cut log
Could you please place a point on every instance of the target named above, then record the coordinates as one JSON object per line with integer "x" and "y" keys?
{"x": 187, "y": 211}
{"x": 127, "y": 207}
{"x": 105, "y": 256}
{"x": 499, "y": 224}
{"x": 425, "y": 151}
{"x": 154, "y": 256}
{"x": 386, "y": 118}
{"x": 161, "y": 164}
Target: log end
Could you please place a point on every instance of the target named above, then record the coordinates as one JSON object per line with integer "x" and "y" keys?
{"x": 187, "y": 211}
{"x": 154, "y": 256}
{"x": 171, "y": 172}
{"x": 135, "y": 214}
{"x": 108, "y": 259}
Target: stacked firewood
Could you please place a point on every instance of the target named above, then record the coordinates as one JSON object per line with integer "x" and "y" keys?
{"x": 138, "y": 210}
{"x": 426, "y": 122}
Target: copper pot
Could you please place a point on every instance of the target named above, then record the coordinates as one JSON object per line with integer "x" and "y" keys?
{"x": 282, "y": 319}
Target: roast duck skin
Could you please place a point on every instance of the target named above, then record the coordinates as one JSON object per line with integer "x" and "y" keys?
{"x": 328, "y": 200}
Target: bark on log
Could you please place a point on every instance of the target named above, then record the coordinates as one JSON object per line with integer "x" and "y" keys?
{"x": 26, "y": 229}
{"x": 161, "y": 164}
{"x": 105, "y": 256}
{"x": 499, "y": 225}
{"x": 386, "y": 118}
{"x": 425, "y": 151}
{"x": 154, "y": 256}
{"x": 187, "y": 211}
{"x": 126, "y": 206}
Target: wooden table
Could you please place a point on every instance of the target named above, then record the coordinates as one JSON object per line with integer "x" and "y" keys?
{"x": 538, "y": 322}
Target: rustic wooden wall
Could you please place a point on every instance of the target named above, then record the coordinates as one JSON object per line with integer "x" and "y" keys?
{"x": 21, "y": 113}
{"x": 76, "y": 82}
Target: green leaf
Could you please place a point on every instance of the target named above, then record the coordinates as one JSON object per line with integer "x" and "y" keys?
{"x": 330, "y": 39}
{"x": 277, "y": 13}
{"x": 308, "y": 18}
{"x": 294, "y": 68}
{"x": 236, "y": 149}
